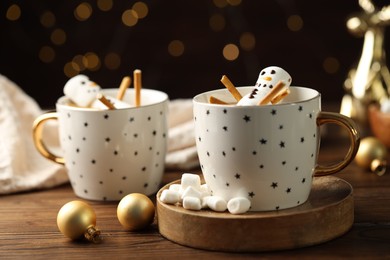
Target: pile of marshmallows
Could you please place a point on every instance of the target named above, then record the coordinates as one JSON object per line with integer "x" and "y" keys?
{"x": 193, "y": 195}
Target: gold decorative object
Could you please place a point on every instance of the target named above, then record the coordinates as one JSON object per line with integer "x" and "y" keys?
{"x": 135, "y": 211}
{"x": 76, "y": 219}
{"x": 372, "y": 155}
{"x": 369, "y": 81}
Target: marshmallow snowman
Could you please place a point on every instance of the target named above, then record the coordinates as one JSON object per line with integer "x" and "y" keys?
{"x": 81, "y": 90}
{"x": 268, "y": 78}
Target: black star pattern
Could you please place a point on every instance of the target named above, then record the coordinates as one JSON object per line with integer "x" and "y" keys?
{"x": 223, "y": 153}
{"x": 284, "y": 162}
{"x": 280, "y": 127}
{"x": 146, "y": 185}
{"x": 69, "y": 137}
{"x": 108, "y": 139}
{"x": 135, "y": 153}
{"x": 131, "y": 119}
{"x": 208, "y": 154}
{"x": 227, "y": 184}
{"x": 261, "y": 166}
{"x": 115, "y": 152}
{"x": 254, "y": 152}
{"x": 251, "y": 194}
{"x": 233, "y": 148}
{"x": 149, "y": 118}
{"x": 300, "y": 108}
{"x": 302, "y": 139}
{"x": 154, "y": 132}
{"x": 274, "y": 185}
{"x": 135, "y": 135}
{"x": 288, "y": 190}
{"x": 310, "y": 116}
{"x": 296, "y": 168}
{"x": 263, "y": 141}
{"x": 282, "y": 144}
{"x": 68, "y": 115}
{"x": 93, "y": 161}
{"x": 225, "y": 111}
{"x": 124, "y": 178}
{"x": 225, "y": 128}
{"x": 77, "y": 150}
{"x": 111, "y": 170}
{"x": 273, "y": 112}
{"x": 208, "y": 112}
{"x": 247, "y": 118}
{"x": 303, "y": 180}
{"x": 84, "y": 138}
{"x": 100, "y": 182}
{"x": 143, "y": 169}
{"x": 237, "y": 176}
{"x": 200, "y": 139}
{"x": 106, "y": 116}
{"x": 86, "y": 124}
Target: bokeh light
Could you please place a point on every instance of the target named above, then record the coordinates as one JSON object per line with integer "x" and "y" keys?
{"x": 112, "y": 61}
{"x": 230, "y": 52}
{"x": 141, "y": 9}
{"x": 217, "y": 22}
{"x": 13, "y": 12}
{"x": 92, "y": 61}
{"x": 83, "y": 11}
{"x": 130, "y": 17}
{"x": 47, "y": 54}
{"x": 220, "y": 3}
{"x": 247, "y": 41}
{"x": 104, "y": 5}
{"x": 294, "y": 23}
{"x": 58, "y": 37}
{"x": 331, "y": 65}
{"x": 48, "y": 19}
{"x": 176, "y": 48}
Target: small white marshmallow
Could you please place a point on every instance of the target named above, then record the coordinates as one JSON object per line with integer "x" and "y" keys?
{"x": 216, "y": 203}
{"x": 191, "y": 192}
{"x": 192, "y": 203}
{"x": 170, "y": 197}
{"x": 81, "y": 91}
{"x": 189, "y": 179}
{"x": 238, "y": 205}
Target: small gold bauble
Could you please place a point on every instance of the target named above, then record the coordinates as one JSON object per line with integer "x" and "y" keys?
{"x": 371, "y": 150}
{"x": 135, "y": 211}
{"x": 77, "y": 219}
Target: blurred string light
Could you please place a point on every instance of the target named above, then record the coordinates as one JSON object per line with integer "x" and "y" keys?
{"x": 83, "y": 11}
{"x": 48, "y": 19}
{"x": 230, "y": 52}
{"x": 58, "y": 37}
{"x": 217, "y": 22}
{"x": 294, "y": 23}
{"x": 104, "y": 5}
{"x": 176, "y": 48}
{"x": 13, "y": 12}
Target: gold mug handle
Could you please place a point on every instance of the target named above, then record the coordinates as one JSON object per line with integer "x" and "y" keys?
{"x": 38, "y": 138}
{"x": 354, "y": 136}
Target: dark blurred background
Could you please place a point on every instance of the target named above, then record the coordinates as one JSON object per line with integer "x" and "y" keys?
{"x": 182, "y": 47}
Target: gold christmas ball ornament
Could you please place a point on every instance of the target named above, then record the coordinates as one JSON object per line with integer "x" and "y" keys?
{"x": 135, "y": 211}
{"x": 372, "y": 155}
{"x": 76, "y": 219}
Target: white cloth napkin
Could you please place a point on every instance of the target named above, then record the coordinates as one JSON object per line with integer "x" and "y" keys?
{"x": 22, "y": 168}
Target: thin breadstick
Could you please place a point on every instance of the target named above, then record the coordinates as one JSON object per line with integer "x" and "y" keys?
{"x": 280, "y": 96}
{"x": 232, "y": 89}
{"x": 126, "y": 81}
{"x": 214, "y": 100}
{"x": 274, "y": 91}
{"x": 137, "y": 87}
{"x": 105, "y": 101}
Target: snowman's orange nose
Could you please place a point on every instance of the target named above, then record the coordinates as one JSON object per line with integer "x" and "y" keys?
{"x": 267, "y": 78}
{"x": 92, "y": 84}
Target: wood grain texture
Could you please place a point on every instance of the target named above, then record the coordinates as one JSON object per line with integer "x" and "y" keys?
{"x": 28, "y": 226}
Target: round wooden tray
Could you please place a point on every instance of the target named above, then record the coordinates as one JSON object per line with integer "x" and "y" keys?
{"x": 328, "y": 213}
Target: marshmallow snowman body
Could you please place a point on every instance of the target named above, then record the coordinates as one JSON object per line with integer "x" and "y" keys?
{"x": 268, "y": 78}
{"x": 81, "y": 91}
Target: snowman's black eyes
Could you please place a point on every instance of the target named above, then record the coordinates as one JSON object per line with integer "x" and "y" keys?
{"x": 82, "y": 82}
{"x": 273, "y": 72}
{"x": 265, "y": 85}
{"x": 270, "y": 86}
{"x": 262, "y": 73}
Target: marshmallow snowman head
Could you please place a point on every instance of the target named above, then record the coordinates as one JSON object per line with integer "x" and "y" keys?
{"x": 81, "y": 90}
{"x": 270, "y": 76}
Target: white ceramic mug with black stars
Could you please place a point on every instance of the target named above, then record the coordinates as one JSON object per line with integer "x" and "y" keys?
{"x": 268, "y": 153}
{"x": 110, "y": 153}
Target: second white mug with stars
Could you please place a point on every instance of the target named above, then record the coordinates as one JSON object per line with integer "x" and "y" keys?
{"x": 110, "y": 153}
{"x": 267, "y": 154}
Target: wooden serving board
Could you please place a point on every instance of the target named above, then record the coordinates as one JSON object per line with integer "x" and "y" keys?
{"x": 328, "y": 213}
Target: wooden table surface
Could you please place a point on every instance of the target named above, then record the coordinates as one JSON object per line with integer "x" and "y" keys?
{"x": 28, "y": 225}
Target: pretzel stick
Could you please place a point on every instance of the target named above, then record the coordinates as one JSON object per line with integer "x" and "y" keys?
{"x": 229, "y": 85}
{"x": 126, "y": 81}
{"x": 280, "y": 96}
{"x": 214, "y": 100}
{"x": 274, "y": 91}
{"x": 105, "y": 101}
{"x": 137, "y": 87}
